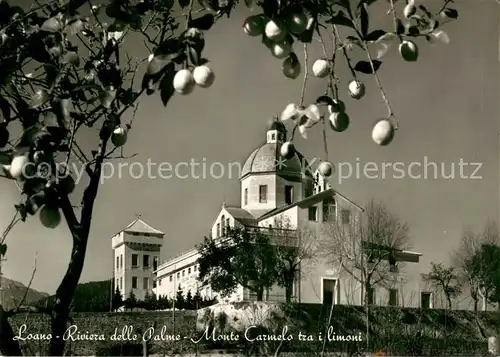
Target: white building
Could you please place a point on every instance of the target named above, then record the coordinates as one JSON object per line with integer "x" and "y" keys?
{"x": 274, "y": 190}
{"x": 136, "y": 254}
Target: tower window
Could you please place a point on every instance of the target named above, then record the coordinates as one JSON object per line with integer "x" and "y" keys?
{"x": 245, "y": 198}
{"x": 135, "y": 260}
{"x": 117, "y": 262}
{"x": 170, "y": 278}
{"x": 121, "y": 260}
{"x": 222, "y": 222}
{"x": 288, "y": 194}
{"x": 273, "y": 136}
{"x": 263, "y": 194}
{"x": 145, "y": 261}
{"x": 134, "y": 282}
{"x": 227, "y": 223}
{"x": 218, "y": 230}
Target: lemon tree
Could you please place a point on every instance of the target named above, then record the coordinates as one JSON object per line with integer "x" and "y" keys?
{"x": 65, "y": 66}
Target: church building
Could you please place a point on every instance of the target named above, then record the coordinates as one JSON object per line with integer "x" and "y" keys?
{"x": 273, "y": 191}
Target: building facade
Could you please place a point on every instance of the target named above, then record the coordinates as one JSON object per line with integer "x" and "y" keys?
{"x": 273, "y": 191}
{"x": 136, "y": 256}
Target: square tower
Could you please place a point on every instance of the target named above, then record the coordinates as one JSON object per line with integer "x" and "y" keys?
{"x": 136, "y": 256}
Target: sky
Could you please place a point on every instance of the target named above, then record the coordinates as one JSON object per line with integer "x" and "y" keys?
{"x": 446, "y": 105}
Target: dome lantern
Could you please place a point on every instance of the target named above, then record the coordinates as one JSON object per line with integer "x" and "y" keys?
{"x": 276, "y": 131}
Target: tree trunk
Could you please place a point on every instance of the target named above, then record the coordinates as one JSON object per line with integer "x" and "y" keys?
{"x": 260, "y": 294}
{"x": 289, "y": 292}
{"x": 449, "y": 302}
{"x": 66, "y": 291}
{"x": 8, "y": 346}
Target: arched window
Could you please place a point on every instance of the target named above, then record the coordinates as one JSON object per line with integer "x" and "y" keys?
{"x": 222, "y": 224}
{"x": 329, "y": 209}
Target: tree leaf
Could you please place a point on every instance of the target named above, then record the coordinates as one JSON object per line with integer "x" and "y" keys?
{"x": 365, "y": 67}
{"x": 413, "y": 31}
{"x": 52, "y": 25}
{"x": 374, "y": 35}
{"x": 167, "y": 84}
{"x": 364, "y": 19}
{"x": 157, "y": 64}
{"x": 438, "y": 36}
{"x": 5, "y": 108}
{"x": 384, "y": 43}
{"x": 324, "y": 99}
{"x": 193, "y": 56}
{"x": 204, "y": 23}
{"x": 351, "y": 41}
{"x": 3, "y": 249}
{"x": 184, "y": 3}
{"x": 450, "y": 13}
{"x": 425, "y": 11}
{"x": 340, "y": 19}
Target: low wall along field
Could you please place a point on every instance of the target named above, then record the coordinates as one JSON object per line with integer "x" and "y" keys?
{"x": 258, "y": 327}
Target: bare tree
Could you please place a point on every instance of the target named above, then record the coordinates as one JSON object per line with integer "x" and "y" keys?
{"x": 293, "y": 246}
{"x": 469, "y": 273}
{"x": 366, "y": 248}
{"x": 446, "y": 280}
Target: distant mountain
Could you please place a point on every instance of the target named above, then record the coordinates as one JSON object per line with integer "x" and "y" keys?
{"x": 12, "y": 292}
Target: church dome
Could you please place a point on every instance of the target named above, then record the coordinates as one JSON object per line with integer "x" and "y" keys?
{"x": 267, "y": 159}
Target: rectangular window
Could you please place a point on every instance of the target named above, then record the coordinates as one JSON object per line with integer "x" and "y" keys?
{"x": 189, "y": 270}
{"x": 195, "y": 268}
{"x": 313, "y": 211}
{"x": 159, "y": 282}
{"x": 121, "y": 260}
{"x": 117, "y": 284}
{"x": 218, "y": 230}
{"x": 145, "y": 261}
{"x": 245, "y": 198}
{"x": 145, "y": 283}
{"x": 154, "y": 284}
{"x": 155, "y": 263}
{"x": 263, "y": 194}
{"x": 117, "y": 262}
{"x": 346, "y": 216}
{"x": 425, "y": 300}
{"x": 170, "y": 278}
{"x": 178, "y": 275}
{"x": 134, "y": 282}
{"x": 183, "y": 273}
{"x": 135, "y": 260}
{"x": 288, "y": 194}
{"x": 227, "y": 223}
{"x": 121, "y": 284}
{"x": 393, "y": 297}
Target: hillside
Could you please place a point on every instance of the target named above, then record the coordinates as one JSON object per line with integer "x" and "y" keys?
{"x": 92, "y": 296}
{"x": 13, "y": 292}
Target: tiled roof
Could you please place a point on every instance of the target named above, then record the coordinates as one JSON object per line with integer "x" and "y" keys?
{"x": 139, "y": 226}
